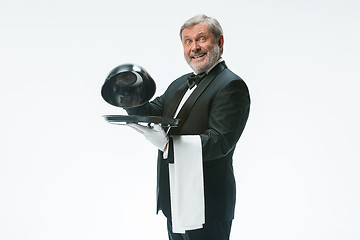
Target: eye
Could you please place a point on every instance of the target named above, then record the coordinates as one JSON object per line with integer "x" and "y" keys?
{"x": 202, "y": 39}
{"x": 187, "y": 42}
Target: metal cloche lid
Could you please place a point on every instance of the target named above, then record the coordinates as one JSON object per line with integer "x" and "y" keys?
{"x": 127, "y": 86}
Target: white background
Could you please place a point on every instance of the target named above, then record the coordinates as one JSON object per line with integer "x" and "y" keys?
{"x": 67, "y": 174}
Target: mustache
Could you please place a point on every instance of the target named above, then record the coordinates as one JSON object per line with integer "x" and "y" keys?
{"x": 197, "y": 52}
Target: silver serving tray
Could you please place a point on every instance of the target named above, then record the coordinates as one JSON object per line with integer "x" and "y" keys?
{"x": 124, "y": 119}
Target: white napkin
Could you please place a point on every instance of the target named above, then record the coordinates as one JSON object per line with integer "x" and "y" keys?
{"x": 187, "y": 184}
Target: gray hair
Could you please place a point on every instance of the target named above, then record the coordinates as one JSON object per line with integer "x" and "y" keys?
{"x": 213, "y": 24}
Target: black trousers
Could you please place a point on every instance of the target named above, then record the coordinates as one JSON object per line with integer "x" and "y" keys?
{"x": 211, "y": 231}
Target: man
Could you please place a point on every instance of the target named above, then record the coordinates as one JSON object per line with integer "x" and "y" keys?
{"x": 216, "y": 115}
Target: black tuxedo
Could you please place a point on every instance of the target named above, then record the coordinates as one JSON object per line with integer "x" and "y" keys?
{"x": 219, "y": 116}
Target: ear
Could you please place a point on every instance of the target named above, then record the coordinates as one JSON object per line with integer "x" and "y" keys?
{"x": 221, "y": 41}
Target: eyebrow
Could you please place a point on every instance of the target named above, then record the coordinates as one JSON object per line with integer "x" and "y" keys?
{"x": 198, "y": 34}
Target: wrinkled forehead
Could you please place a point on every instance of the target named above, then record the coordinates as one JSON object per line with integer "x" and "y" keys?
{"x": 196, "y": 30}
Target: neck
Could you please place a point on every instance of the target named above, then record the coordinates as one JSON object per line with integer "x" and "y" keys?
{"x": 216, "y": 63}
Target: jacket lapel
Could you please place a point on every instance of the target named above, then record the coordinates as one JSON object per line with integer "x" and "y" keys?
{"x": 175, "y": 101}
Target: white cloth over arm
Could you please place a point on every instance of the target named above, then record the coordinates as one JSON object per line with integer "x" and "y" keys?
{"x": 187, "y": 184}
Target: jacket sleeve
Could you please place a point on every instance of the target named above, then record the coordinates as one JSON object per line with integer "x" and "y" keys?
{"x": 228, "y": 116}
{"x": 153, "y": 108}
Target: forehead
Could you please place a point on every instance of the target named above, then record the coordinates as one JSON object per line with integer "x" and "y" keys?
{"x": 196, "y": 30}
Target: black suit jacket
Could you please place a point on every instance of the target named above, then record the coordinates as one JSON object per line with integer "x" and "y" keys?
{"x": 219, "y": 116}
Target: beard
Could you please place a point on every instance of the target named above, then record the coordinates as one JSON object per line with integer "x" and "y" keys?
{"x": 212, "y": 56}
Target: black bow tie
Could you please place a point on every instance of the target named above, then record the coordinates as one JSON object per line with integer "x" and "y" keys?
{"x": 194, "y": 79}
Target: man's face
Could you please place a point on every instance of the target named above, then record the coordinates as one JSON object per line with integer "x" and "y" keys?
{"x": 201, "y": 49}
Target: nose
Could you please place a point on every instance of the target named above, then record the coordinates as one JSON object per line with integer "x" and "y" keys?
{"x": 195, "y": 46}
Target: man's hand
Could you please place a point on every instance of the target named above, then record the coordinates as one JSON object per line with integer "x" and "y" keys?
{"x": 155, "y": 135}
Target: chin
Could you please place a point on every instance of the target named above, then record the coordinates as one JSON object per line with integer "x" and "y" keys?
{"x": 199, "y": 68}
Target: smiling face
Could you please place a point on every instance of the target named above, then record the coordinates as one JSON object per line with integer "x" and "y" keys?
{"x": 201, "y": 49}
